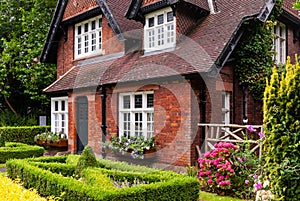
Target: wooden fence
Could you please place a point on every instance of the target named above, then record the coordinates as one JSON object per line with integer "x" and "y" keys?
{"x": 215, "y": 133}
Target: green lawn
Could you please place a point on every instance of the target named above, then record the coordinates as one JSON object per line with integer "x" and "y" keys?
{"x": 204, "y": 196}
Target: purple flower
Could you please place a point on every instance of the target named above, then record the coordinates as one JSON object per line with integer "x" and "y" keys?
{"x": 246, "y": 181}
{"x": 258, "y": 186}
{"x": 251, "y": 128}
{"x": 261, "y": 134}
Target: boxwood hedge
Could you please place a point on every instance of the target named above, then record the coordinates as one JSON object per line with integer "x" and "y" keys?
{"x": 99, "y": 183}
{"x": 15, "y": 150}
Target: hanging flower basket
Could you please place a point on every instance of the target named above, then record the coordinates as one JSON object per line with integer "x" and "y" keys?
{"x": 51, "y": 139}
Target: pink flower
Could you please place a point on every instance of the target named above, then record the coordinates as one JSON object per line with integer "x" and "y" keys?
{"x": 231, "y": 170}
{"x": 258, "y": 186}
{"x": 217, "y": 174}
{"x": 246, "y": 181}
{"x": 209, "y": 181}
{"x": 261, "y": 134}
{"x": 208, "y": 172}
{"x": 251, "y": 128}
{"x": 241, "y": 160}
{"x": 221, "y": 177}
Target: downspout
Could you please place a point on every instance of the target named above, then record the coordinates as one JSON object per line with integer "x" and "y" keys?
{"x": 244, "y": 88}
{"x": 203, "y": 114}
{"x": 103, "y": 123}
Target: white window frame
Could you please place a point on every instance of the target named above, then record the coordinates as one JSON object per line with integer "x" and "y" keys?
{"x": 153, "y": 40}
{"x": 147, "y": 113}
{"x": 225, "y": 107}
{"x": 88, "y": 43}
{"x": 59, "y": 115}
{"x": 279, "y": 43}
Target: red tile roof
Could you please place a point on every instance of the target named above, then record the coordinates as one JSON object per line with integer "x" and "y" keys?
{"x": 198, "y": 52}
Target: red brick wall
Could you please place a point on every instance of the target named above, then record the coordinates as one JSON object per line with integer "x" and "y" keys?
{"x": 293, "y": 47}
{"x": 65, "y": 53}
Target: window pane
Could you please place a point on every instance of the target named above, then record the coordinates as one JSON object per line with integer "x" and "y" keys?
{"x": 86, "y": 27}
{"x": 160, "y": 19}
{"x": 126, "y": 102}
{"x": 63, "y": 105}
{"x": 93, "y": 24}
{"x": 170, "y": 16}
{"x": 79, "y": 30}
{"x": 150, "y": 99}
{"x": 56, "y": 105}
{"x": 151, "y": 22}
{"x": 138, "y": 101}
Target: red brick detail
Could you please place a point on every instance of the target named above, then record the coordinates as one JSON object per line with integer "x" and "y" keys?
{"x": 76, "y": 7}
{"x": 185, "y": 19}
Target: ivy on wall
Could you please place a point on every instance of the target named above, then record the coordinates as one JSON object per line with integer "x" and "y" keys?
{"x": 254, "y": 54}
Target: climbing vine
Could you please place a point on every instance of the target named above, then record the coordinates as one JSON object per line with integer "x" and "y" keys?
{"x": 255, "y": 55}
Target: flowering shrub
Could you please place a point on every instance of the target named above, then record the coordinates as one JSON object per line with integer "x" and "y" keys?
{"x": 11, "y": 191}
{"x": 136, "y": 146}
{"x": 232, "y": 169}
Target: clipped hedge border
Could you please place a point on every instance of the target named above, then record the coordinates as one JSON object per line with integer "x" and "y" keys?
{"x": 166, "y": 185}
{"x": 23, "y": 134}
{"x": 15, "y": 150}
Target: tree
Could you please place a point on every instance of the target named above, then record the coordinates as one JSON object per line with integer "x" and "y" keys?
{"x": 297, "y": 4}
{"x": 23, "y": 29}
{"x": 281, "y": 127}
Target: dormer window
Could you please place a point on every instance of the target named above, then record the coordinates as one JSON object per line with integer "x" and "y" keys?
{"x": 88, "y": 37}
{"x": 160, "y": 30}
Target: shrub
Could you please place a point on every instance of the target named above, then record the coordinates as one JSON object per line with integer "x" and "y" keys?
{"x": 19, "y": 150}
{"x": 167, "y": 185}
{"x": 22, "y": 134}
{"x": 230, "y": 169}
{"x": 87, "y": 159}
{"x": 2, "y": 141}
{"x": 282, "y": 129}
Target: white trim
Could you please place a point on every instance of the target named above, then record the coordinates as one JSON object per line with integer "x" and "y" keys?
{"x": 88, "y": 39}
{"x": 279, "y": 43}
{"x": 226, "y": 107}
{"x": 136, "y": 116}
{"x": 59, "y": 114}
{"x": 159, "y": 36}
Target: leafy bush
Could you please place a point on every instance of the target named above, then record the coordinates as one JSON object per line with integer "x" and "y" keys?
{"x": 8, "y": 118}
{"x": 2, "y": 141}
{"x": 87, "y": 159}
{"x": 19, "y": 150}
{"x": 282, "y": 129}
{"x": 22, "y": 134}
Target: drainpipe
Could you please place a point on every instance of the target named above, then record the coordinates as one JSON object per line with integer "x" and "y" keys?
{"x": 203, "y": 114}
{"x": 103, "y": 126}
{"x": 245, "y": 118}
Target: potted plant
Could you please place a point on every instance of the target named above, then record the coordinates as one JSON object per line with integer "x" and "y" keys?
{"x": 137, "y": 147}
{"x": 52, "y": 139}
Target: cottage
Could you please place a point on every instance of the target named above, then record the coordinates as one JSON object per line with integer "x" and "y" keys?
{"x": 157, "y": 68}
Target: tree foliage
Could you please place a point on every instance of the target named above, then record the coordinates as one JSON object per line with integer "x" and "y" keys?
{"x": 297, "y": 4}
{"x": 23, "y": 29}
{"x": 282, "y": 131}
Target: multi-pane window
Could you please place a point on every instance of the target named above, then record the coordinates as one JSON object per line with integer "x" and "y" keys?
{"x": 136, "y": 114}
{"x": 59, "y": 115}
{"x": 88, "y": 37}
{"x": 160, "y": 30}
{"x": 280, "y": 43}
{"x": 225, "y": 107}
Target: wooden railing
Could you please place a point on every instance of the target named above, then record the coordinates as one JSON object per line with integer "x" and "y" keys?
{"x": 215, "y": 133}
